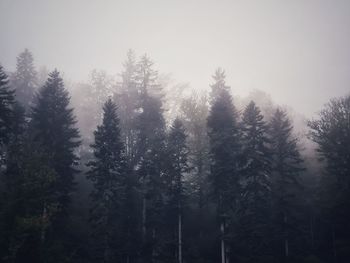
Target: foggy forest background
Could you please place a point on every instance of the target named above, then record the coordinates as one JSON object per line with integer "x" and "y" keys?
{"x": 134, "y": 168}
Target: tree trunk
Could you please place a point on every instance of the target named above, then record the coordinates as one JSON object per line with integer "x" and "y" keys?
{"x": 43, "y": 224}
{"x": 222, "y": 228}
{"x": 312, "y": 233}
{"x": 180, "y": 237}
{"x": 153, "y": 245}
{"x": 286, "y": 242}
{"x": 333, "y": 245}
{"x": 144, "y": 207}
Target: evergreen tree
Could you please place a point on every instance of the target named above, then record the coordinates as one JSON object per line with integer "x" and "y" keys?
{"x": 331, "y": 132}
{"x": 10, "y": 179}
{"x": 108, "y": 174}
{"x": 53, "y": 131}
{"x": 224, "y": 151}
{"x": 285, "y": 183}
{"x": 147, "y": 78}
{"x": 151, "y": 136}
{"x": 177, "y": 167}
{"x": 198, "y": 228}
{"x": 128, "y": 100}
{"x": 24, "y": 79}
{"x": 254, "y": 203}
{"x": 6, "y": 104}
{"x": 30, "y": 202}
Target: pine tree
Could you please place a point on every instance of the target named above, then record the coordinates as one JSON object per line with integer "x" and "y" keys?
{"x": 30, "y": 202}
{"x": 331, "y": 132}
{"x": 24, "y": 79}
{"x": 6, "y": 105}
{"x": 285, "y": 183}
{"x": 53, "y": 130}
{"x": 108, "y": 174}
{"x": 194, "y": 114}
{"x": 254, "y": 203}
{"x": 53, "y": 125}
{"x": 10, "y": 179}
{"x": 219, "y": 84}
{"x": 151, "y": 136}
{"x": 177, "y": 168}
{"x": 147, "y": 78}
{"x": 224, "y": 151}
{"x": 128, "y": 100}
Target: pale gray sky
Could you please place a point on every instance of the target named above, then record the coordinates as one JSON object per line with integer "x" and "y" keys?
{"x": 296, "y": 50}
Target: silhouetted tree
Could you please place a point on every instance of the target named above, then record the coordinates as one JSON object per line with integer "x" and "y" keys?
{"x": 224, "y": 152}
{"x": 6, "y": 104}
{"x": 287, "y": 166}
{"x": 177, "y": 167}
{"x": 108, "y": 174}
{"x": 254, "y": 202}
{"x": 53, "y": 130}
{"x": 331, "y": 132}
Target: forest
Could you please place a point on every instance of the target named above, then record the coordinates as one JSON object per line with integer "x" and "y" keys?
{"x": 134, "y": 169}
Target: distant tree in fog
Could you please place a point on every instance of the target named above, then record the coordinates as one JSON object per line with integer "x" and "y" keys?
{"x": 24, "y": 79}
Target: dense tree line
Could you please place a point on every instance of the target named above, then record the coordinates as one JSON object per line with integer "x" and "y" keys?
{"x": 118, "y": 179}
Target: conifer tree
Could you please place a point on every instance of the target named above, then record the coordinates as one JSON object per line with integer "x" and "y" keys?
{"x": 53, "y": 125}
{"x": 128, "y": 101}
{"x": 151, "y": 136}
{"x": 331, "y": 132}
{"x": 6, "y": 105}
{"x": 10, "y": 179}
{"x": 108, "y": 174}
{"x": 285, "y": 182}
{"x": 31, "y": 204}
{"x": 254, "y": 203}
{"x": 24, "y": 79}
{"x": 177, "y": 167}
{"x": 224, "y": 151}
{"x": 53, "y": 132}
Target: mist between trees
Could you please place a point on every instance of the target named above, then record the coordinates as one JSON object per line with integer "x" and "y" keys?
{"x": 139, "y": 169}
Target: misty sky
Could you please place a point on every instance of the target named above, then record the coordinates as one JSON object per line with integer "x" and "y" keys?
{"x": 298, "y": 51}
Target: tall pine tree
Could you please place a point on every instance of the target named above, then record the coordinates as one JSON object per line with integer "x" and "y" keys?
{"x": 285, "y": 182}
{"x": 224, "y": 151}
{"x": 108, "y": 174}
{"x": 331, "y": 132}
{"x": 151, "y": 136}
{"x": 53, "y": 130}
{"x": 6, "y": 104}
{"x": 254, "y": 203}
{"x": 177, "y": 167}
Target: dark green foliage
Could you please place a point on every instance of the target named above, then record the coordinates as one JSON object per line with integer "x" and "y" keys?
{"x": 177, "y": 167}
{"x": 150, "y": 156}
{"x": 53, "y": 129}
{"x": 6, "y": 103}
{"x": 254, "y": 211}
{"x": 199, "y": 221}
{"x": 178, "y": 160}
{"x": 108, "y": 174}
{"x": 332, "y": 134}
{"x": 287, "y": 166}
{"x": 224, "y": 136}
{"x": 224, "y": 145}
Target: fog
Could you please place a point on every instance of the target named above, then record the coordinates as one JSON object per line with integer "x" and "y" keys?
{"x": 161, "y": 131}
{"x": 296, "y": 51}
